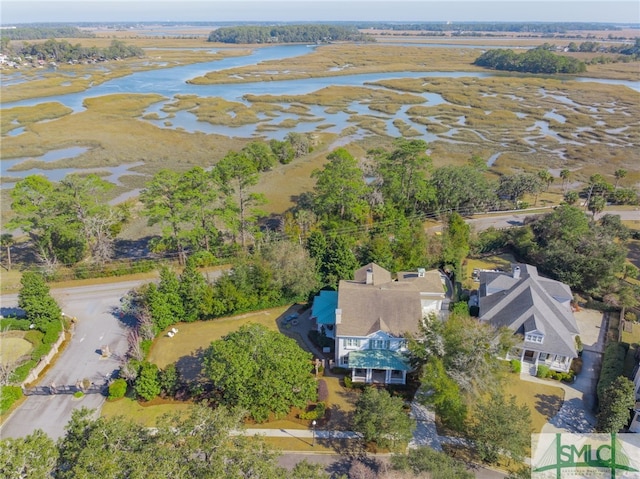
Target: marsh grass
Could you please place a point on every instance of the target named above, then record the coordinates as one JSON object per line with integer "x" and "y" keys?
{"x": 113, "y": 128}
{"x": 25, "y": 115}
{"x": 348, "y": 59}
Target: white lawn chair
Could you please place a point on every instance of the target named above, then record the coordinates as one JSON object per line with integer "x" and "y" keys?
{"x": 170, "y": 334}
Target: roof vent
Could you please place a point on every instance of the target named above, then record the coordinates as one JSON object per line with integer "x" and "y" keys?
{"x": 369, "y": 276}
{"x": 516, "y": 272}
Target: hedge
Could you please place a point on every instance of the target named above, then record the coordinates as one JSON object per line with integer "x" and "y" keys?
{"x": 612, "y": 365}
{"x": 13, "y": 324}
{"x": 22, "y": 371}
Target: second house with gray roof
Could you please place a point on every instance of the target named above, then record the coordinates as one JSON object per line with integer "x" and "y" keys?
{"x": 537, "y": 309}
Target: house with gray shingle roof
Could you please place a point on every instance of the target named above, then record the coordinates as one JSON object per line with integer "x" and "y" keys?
{"x": 537, "y": 309}
{"x": 373, "y": 316}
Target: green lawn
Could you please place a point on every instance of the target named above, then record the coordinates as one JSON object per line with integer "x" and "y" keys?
{"x": 502, "y": 262}
{"x": 186, "y": 348}
{"x": 197, "y": 336}
{"x": 145, "y": 414}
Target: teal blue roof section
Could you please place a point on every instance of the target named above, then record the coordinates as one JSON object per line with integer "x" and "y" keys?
{"x": 324, "y": 307}
{"x": 378, "y": 359}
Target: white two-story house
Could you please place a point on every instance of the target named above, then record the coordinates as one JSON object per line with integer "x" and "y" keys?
{"x": 373, "y": 316}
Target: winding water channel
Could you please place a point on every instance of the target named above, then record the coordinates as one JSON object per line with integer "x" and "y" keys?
{"x": 170, "y": 82}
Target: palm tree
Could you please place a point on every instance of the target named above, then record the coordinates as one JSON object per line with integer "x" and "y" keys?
{"x": 596, "y": 205}
{"x": 546, "y": 178}
{"x": 619, "y": 174}
{"x": 565, "y": 174}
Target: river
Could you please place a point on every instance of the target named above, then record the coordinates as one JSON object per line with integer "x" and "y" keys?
{"x": 170, "y": 82}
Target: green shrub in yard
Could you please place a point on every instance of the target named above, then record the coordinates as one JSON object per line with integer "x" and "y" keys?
{"x": 9, "y": 395}
{"x": 348, "y": 383}
{"x": 40, "y": 351}
{"x": 576, "y": 366}
{"x": 34, "y": 337}
{"x": 516, "y": 366}
{"x": 14, "y": 324}
{"x": 52, "y": 332}
{"x": 145, "y": 346}
{"x": 78, "y": 394}
{"x": 316, "y": 413}
{"x": 22, "y": 371}
{"x": 117, "y": 389}
{"x": 543, "y": 372}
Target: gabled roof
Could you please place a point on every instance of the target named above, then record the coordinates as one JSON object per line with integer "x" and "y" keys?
{"x": 381, "y": 305}
{"x": 379, "y": 275}
{"x": 530, "y": 303}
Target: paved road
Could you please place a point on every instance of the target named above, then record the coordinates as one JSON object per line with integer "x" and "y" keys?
{"x": 502, "y": 220}
{"x": 98, "y": 324}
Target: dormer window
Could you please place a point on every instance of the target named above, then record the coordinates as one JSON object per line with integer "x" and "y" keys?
{"x": 534, "y": 338}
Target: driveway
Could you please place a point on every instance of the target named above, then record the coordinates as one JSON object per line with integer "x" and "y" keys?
{"x": 97, "y": 325}
{"x": 577, "y": 412}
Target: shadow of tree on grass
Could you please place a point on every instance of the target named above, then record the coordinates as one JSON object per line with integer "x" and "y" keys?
{"x": 191, "y": 367}
{"x": 548, "y": 404}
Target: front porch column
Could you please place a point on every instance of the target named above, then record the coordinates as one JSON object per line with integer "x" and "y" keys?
{"x": 387, "y": 376}
{"x": 368, "y": 376}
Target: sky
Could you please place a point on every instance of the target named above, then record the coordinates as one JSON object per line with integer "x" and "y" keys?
{"x": 33, "y": 11}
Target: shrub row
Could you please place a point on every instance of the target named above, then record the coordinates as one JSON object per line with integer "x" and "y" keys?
{"x": 41, "y": 341}
{"x": 612, "y": 365}
{"x": 545, "y": 372}
{"x": 14, "y": 324}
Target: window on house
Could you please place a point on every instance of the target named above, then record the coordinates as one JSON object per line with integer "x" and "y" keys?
{"x": 543, "y": 356}
{"x": 534, "y": 338}
{"x": 344, "y": 360}
{"x": 351, "y": 343}
{"x": 379, "y": 344}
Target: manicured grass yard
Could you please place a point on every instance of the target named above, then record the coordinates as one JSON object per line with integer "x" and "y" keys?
{"x": 147, "y": 414}
{"x": 196, "y": 336}
{"x": 186, "y": 347}
{"x": 13, "y": 346}
{"x": 544, "y": 401}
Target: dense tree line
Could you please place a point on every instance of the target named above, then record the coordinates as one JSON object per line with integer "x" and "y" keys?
{"x": 63, "y": 51}
{"x": 203, "y": 444}
{"x": 42, "y": 32}
{"x": 200, "y": 444}
{"x": 522, "y": 27}
{"x": 287, "y": 34}
{"x": 536, "y": 60}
